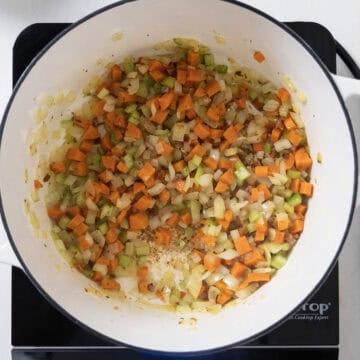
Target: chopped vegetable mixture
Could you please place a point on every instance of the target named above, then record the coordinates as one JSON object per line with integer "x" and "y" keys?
{"x": 175, "y": 160}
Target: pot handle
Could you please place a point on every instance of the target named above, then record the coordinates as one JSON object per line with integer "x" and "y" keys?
{"x": 7, "y": 254}
{"x": 349, "y": 87}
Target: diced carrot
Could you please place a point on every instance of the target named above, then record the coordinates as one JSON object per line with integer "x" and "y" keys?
{"x": 160, "y": 116}
{"x": 173, "y": 220}
{"x": 297, "y": 226}
{"x": 156, "y": 65}
{"x": 125, "y": 97}
{"x": 144, "y": 203}
{"x": 191, "y": 114}
{"x": 110, "y": 284}
{"x": 116, "y": 73}
{"x": 211, "y": 262}
{"x": 255, "y": 277}
{"x": 142, "y": 272}
{"x": 106, "y": 142}
{"x": 111, "y": 236}
{"x": 80, "y": 229}
{"x": 253, "y": 257}
{"x": 242, "y": 245}
{"x": 275, "y": 134}
{"x": 75, "y": 154}
{"x": 213, "y": 113}
{"x": 227, "y": 177}
{"x": 122, "y": 215}
{"x": 109, "y": 162}
{"x": 165, "y": 148}
{"x": 166, "y": 100}
{"x": 289, "y": 161}
{"x": 303, "y": 160}
{"x": 150, "y": 182}
{"x": 181, "y": 76}
{"x": 185, "y": 103}
{"x": 261, "y": 171}
{"x": 57, "y": 167}
{"x": 75, "y": 221}
{"x": 98, "y": 109}
{"x": 164, "y": 196}
{"x": 139, "y": 221}
{"x": 212, "y": 87}
{"x": 283, "y": 95}
{"x": 114, "y": 196}
{"x": 194, "y": 75}
{"x": 282, "y": 224}
{"x": 211, "y": 163}
{"x": 80, "y": 168}
{"x": 224, "y": 145}
{"x": 157, "y": 75}
{"x": 230, "y": 134}
{"x": 273, "y": 169}
{"x": 225, "y": 164}
{"x": 196, "y": 150}
{"x": 120, "y": 121}
{"x": 162, "y": 236}
{"x": 146, "y": 172}
{"x": 84, "y": 243}
{"x": 224, "y": 296}
{"x": 259, "y": 235}
{"x": 179, "y": 185}
{"x": 91, "y": 133}
{"x": 199, "y": 92}
{"x": 294, "y": 137}
{"x": 103, "y": 260}
{"x": 300, "y": 209}
{"x": 37, "y": 184}
{"x": 254, "y": 194}
{"x": 258, "y": 147}
{"x": 81, "y": 122}
{"x": 241, "y": 103}
{"x": 238, "y": 269}
{"x": 55, "y": 212}
{"x": 265, "y": 191}
{"x": 132, "y": 131}
{"x": 193, "y": 57}
{"x": 295, "y": 185}
{"x": 306, "y": 188}
{"x": 290, "y": 123}
{"x": 216, "y": 133}
{"x": 97, "y": 276}
{"x": 114, "y": 263}
{"x": 279, "y": 237}
{"x": 259, "y": 56}
{"x": 202, "y": 131}
{"x": 122, "y": 167}
{"x": 143, "y": 286}
{"x": 221, "y": 187}
{"x": 179, "y": 166}
{"x": 86, "y": 145}
{"x": 186, "y": 218}
{"x": 73, "y": 210}
{"x": 117, "y": 247}
{"x": 139, "y": 187}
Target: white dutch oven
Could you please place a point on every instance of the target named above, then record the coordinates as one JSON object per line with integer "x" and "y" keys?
{"x": 144, "y": 23}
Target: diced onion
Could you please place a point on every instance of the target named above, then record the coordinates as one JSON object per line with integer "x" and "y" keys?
{"x": 297, "y": 118}
{"x": 229, "y": 254}
{"x": 219, "y": 207}
{"x": 231, "y": 281}
{"x": 282, "y": 144}
{"x": 156, "y": 189}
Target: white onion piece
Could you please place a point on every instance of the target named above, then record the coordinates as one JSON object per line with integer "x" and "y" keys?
{"x": 205, "y": 180}
{"x": 219, "y": 207}
{"x": 156, "y": 189}
{"x": 214, "y": 278}
{"x": 223, "y": 270}
{"x": 231, "y": 281}
{"x": 171, "y": 172}
{"x": 154, "y": 222}
{"x": 234, "y": 234}
{"x": 217, "y": 174}
{"x": 282, "y": 144}
{"x": 297, "y": 118}
{"x": 229, "y": 254}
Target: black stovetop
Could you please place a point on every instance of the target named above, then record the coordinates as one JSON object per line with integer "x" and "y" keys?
{"x": 312, "y": 332}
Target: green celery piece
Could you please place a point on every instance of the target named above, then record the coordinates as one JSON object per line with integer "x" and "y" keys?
{"x": 66, "y": 124}
{"x": 254, "y": 216}
{"x": 239, "y": 164}
{"x": 125, "y": 260}
{"x": 145, "y": 110}
{"x": 123, "y": 237}
{"x": 196, "y": 160}
{"x": 80, "y": 199}
{"x": 169, "y": 82}
{"x": 288, "y": 208}
{"x": 134, "y": 118}
{"x": 130, "y": 108}
{"x": 113, "y": 139}
{"x": 60, "y": 178}
{"x": 128, "y": 160}
{"x": 124, "y": 224}
{"x": 88, "y": 273}
{"x": 128, "y": 67}
{"x": 148, "y": 80}
{"x": 129, "y": 248}
{"x": 73, "y": 249}
{"x": 253, "y": 95}
{"x": 64, "y": 220}
{"x": 103, "y": 228}
{"x": 142, "y": 91}
{"x": 169, "y": 122}
{"x": 208, "y": 59}
{"x": 234, "y": 89}
{"x": 222, "y": 69}
{"x": 142, "y": 260}
{"x": 199, "y": 172}
{"x": 278, "y": 261}
{"x": 267, "y": 148}
{"x": 250, "y": 227}
{"x": 143, "y": 250}
{"x": 293, "y": 174}
{"x": 157, "y": 88}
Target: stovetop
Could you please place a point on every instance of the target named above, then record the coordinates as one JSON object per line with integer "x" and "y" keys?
{"x": 39, "y": 331}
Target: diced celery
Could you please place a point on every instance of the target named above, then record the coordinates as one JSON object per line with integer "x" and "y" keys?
{"x": 196, "y": 160}
{"x": 113, "y": 139}
{"x": 234, "y": 89}
{"x": 209, "y": 59}
{"x": 250, "y": 227}
{"x": 66, "y": 124}
{"x": 65, "y": 237}
{"x": 64, "y": 220}
{"x": 278, "y": 261}
{"x": 129, "y": 248}
{"x": 253, "y": 95}
{"x": 189, "y": 232}
{"x": 293, "y": 174}
{"x": 73, "y": 249}
{"x": 242, "y": 174}
{"x": 130, "y": 108}
{"x": 142, "y": 91}
{"x": 169, "y": 122}
{"x": 169, "y": 82}
{"x": 267, "y": 148}
{"x": 288, "y": 208}
{"x": 134, "y": 117}
{"x": 145, "y": 110}
{"x": 128, "y": 67}
{"x": 181, "y": 244}
{"x": 195, "y": 208}
{"x": 60, "y": 178}
{"x": 199, "y": 172}
{"x": 287, "y": 193}
{"x": 222, "y": 69}
{"x": 142, "y": 260}
{"x": 186, "y": 171}
{"x": 254, "y": 216}
{"x": 142, "y": 250}
{"x": 148, "y": 80}
{"x": 124, "y": 224}
{"x": 88, "y": 273}
{"x": 125, "y": 260}
{"x": 239, "y": 164}
{"x": 103, "y": 228}
{"x": 123, "y": 237}
{"x": 80, "y": 199}
{"x": 128, "y": 160}
{"x": 157, "y": 88}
